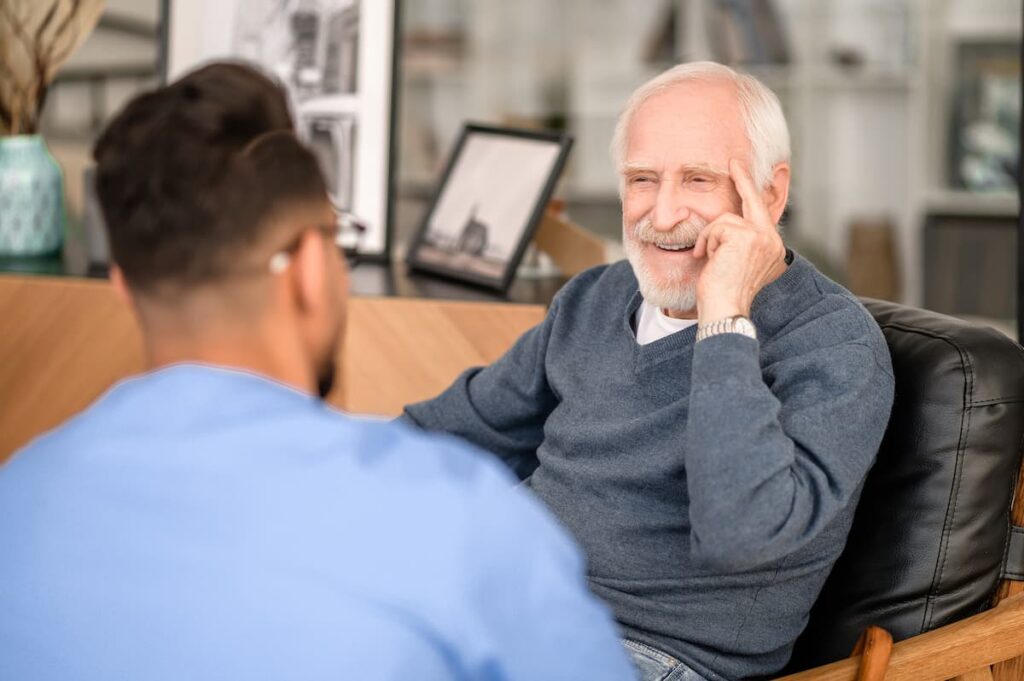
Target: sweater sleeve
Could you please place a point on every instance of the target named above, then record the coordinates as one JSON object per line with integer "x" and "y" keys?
{"x": 769, "y": 468}
{"x": 502, "y": 407}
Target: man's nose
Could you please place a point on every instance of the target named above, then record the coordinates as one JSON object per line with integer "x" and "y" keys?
{"x": 670, "y": 207}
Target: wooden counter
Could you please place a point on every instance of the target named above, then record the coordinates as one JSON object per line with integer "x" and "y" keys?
{"x": 64, "y": 341}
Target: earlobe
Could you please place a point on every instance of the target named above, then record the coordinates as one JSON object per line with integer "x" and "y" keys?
{"x": 120, "y": 286}
{"x": 777, "y": 193}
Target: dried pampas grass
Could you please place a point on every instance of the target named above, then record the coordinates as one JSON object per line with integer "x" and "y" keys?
{"x": 36, "y": 38}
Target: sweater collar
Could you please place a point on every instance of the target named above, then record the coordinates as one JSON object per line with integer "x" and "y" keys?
{"x": 774, "y": 305}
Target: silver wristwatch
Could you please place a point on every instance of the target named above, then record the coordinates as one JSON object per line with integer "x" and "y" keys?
{"x": 738, "y": 324}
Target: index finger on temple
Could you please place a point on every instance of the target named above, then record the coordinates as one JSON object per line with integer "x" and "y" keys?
{"x": 753, "y": 206}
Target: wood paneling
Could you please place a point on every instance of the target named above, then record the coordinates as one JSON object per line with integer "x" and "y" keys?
{"x": 399, "y": 350}
{"x": 62, "y": 343}
{"x": 65, "y": 341}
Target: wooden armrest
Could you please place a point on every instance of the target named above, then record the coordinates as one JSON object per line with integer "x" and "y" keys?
{"x": 874, "y": 647}
{"x": 955, "y": 649}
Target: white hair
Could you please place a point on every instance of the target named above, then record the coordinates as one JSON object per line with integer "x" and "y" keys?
{"x": 759, "y": 107}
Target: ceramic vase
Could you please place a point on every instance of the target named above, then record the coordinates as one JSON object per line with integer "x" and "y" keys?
{"x": 31, "y": 198}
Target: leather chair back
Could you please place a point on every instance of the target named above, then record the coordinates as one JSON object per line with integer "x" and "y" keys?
{"x": 933, "y": 525}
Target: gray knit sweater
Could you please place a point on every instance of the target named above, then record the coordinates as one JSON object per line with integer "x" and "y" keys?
{"x": 711, "y": 485}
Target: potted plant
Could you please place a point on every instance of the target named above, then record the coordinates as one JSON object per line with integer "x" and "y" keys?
{"x": 36, "y": 38}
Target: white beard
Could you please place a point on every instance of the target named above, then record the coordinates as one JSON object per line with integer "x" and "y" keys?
{"x": 676, "y": 294}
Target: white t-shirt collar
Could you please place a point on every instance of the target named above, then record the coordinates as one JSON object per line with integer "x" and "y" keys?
{"x": 652, "y": 324}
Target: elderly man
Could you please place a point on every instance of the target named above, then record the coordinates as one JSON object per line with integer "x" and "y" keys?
{"x": 212, "y": 518}
{"x": 702, "y": 417}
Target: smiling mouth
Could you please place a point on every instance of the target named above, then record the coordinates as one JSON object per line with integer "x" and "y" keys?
{"x": 674, "y": 248}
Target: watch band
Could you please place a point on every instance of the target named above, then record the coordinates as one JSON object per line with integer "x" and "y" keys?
{"x": 738, "y": 324}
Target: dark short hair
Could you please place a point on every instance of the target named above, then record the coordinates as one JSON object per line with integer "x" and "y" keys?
{"x": 189, "y": 175}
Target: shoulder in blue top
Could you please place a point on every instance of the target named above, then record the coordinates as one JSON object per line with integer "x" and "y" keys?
{"x": 199, "y": 522}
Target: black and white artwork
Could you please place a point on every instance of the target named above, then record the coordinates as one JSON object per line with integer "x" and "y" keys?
{"x": 311, "y": 45}
{"x": 332, "y": 139}
{"x": 985, "y": 141}
{"x": 488, "y": 204}
{"x": 335, "y": 58}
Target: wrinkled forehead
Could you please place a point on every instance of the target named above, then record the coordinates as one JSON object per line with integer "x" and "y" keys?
{"x": 698, "y": 122}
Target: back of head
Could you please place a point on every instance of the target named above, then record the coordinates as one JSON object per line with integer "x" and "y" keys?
{"x": 189, "y": 175}
{"x": 760, "y": 108}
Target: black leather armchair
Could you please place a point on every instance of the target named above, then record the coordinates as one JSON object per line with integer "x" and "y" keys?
{"x": 933, "y": 535}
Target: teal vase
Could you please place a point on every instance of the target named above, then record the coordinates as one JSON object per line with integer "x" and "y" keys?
{"x": 31, "y": 198}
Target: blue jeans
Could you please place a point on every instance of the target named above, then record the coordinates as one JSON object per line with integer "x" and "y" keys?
{"x": 653, "y": 665}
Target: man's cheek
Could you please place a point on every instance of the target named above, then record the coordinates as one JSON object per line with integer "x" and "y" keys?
{"x": 634, "y": 210}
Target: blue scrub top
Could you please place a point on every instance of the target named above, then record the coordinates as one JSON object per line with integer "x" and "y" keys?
{"x": 199, "y": 522}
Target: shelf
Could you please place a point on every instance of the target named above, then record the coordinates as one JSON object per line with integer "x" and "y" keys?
{"x": 128, "y": 25}
{"x": 836, "y": 78}
{"x": 428, "y": 66}
{"x": 962, "y": 202}
{"x": 864, "y": 80}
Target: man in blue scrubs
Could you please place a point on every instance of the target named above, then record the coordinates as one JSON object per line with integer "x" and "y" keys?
{"x": 213, "y": 518}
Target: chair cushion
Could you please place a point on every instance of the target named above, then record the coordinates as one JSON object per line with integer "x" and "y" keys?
{"x": 933, "y": 524}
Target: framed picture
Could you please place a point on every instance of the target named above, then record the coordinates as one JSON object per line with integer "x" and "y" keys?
{"x": 488, "y": 204}
{"x": 337, "y": 61}
{"x": 985, "y": 135}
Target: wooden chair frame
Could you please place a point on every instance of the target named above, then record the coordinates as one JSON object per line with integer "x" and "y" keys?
{"x": 986, "y": 647}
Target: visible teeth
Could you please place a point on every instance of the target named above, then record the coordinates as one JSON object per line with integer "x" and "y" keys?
{"x": 674, "y": 247}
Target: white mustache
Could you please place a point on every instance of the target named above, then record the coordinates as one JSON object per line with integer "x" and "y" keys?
{"x": 683, "y": 234}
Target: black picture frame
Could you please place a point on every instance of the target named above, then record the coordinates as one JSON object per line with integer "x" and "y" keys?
{"x": 463, "y": 249}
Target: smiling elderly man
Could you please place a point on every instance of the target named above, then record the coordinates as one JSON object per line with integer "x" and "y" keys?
{"x": 702, "y": 417}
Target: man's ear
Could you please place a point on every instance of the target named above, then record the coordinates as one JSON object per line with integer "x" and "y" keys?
{"x": 308, "y": 271}
{"x": 120, "y": 286}
{"x": 776, "y": 194}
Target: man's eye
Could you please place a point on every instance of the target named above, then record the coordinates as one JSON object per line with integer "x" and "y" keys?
{"x": 640, "y": 180}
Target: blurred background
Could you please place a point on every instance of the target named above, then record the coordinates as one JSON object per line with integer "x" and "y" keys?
{"x": 905, "y": 117}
